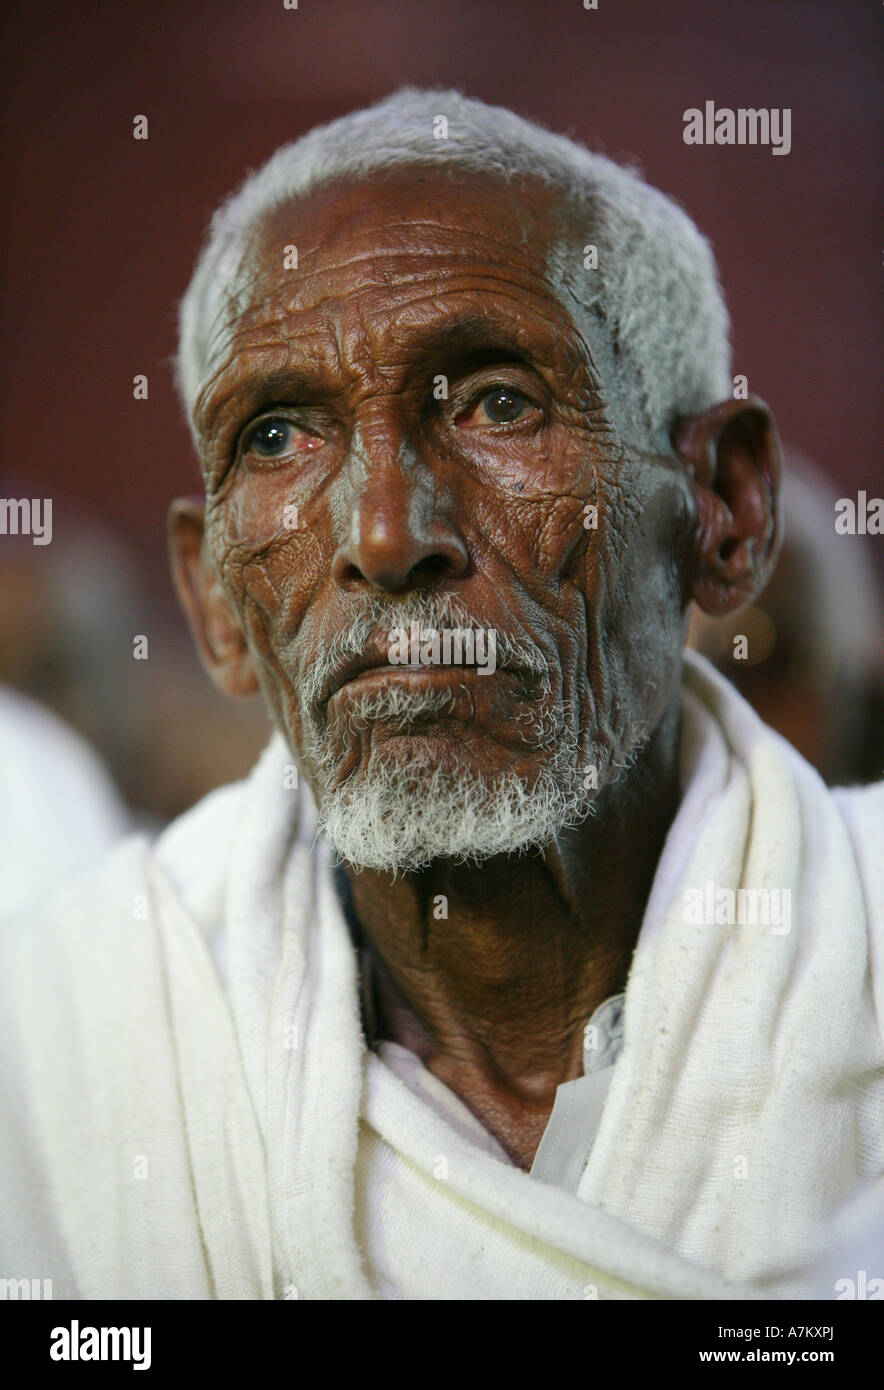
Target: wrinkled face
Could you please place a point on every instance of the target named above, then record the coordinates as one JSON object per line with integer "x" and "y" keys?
{"x": 404, "y": 425}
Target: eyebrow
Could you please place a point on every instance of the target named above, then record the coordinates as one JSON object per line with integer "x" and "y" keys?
{"x": 254, "y": 389}
{"x": 473, "y": 332}
{"x": 488, "y": 335}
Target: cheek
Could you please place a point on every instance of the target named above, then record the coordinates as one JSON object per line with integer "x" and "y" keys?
{"x": 556, "y": 464}
{"x": 626, "y": 581}
{"x": 635, "y": 579}
{"x": 268, "y": 557}
{"x": 535, "y": 513}
{"x": 262, "y": 510}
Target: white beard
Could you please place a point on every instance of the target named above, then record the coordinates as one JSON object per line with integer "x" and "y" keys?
{"x": 402, "y": 809}
{"x": 405, "y": 814}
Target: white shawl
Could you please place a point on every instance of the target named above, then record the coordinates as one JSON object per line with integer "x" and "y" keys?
{"x": 166, "y": 1134}
{"x": 60, "y": 813}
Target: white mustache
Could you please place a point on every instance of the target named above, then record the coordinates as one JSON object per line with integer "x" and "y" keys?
{"x": 381, "y": 617}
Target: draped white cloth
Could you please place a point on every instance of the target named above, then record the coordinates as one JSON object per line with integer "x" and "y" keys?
{"x": 172, "y": 1130}
{"x": 59, "y": 810}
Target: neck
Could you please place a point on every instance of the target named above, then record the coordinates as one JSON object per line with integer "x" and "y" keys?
{"x": 490, "y": 972}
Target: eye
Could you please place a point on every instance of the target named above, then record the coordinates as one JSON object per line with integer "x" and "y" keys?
{"x": 275, "y": 437}
{"x": 502, "y": 405}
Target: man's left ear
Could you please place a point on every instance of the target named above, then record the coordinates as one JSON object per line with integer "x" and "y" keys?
{"x": 734, "y": 459}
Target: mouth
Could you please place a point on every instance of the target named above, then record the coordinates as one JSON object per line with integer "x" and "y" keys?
{"x": 459, "y": 659}
{"x": 414, "y": 676}
{"x": 356, "y": 666}
{"x": 374, "y": 668}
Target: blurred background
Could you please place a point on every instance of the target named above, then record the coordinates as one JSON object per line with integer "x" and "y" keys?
{"x": 100, "y": 232}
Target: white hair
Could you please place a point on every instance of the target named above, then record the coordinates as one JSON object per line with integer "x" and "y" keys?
{"x": 660, "y": 338}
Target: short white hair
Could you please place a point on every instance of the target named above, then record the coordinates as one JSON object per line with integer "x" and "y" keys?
{"x": 660, "y": 335}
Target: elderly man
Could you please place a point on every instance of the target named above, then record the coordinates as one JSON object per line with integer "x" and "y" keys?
{"x": 527, "y": 963}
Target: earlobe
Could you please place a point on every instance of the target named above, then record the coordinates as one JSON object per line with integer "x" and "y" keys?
{"x": 733, "y": 457}
{"x": 219, "y": 639}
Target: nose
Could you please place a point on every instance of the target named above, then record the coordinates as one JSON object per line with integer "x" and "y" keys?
{"x": 399, "y": 539}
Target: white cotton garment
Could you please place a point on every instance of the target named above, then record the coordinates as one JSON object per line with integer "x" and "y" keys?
{"x": 59, "y": 810}
{"x": 172, "y": 1129}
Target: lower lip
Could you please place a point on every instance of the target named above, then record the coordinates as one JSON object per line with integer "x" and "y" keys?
{"x": 414, "y": 675}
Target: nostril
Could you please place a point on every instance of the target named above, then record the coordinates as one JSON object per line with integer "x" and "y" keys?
{"x": 348, "y": 575}
{"x": 432, "y": 567}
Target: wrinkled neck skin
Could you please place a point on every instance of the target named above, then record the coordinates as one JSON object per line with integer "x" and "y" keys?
{"x": 495, "y": 998}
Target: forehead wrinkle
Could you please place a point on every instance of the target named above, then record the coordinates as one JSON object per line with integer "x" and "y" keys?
{"x": 489, "y": 320}
{"x": 312, "y": 291}
{"x": 352, "y": 339}
{"x": 397, "y": 238}
{"x": 361, "y": 335}
{"x": 460, "y": 240}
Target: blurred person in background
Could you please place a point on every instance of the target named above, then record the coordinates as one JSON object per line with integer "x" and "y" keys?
{"x": 60, "y": 699}
{"x": 95, "y": 743}
{"x": 70, "y": 614}
{"x": 59, "y": 810}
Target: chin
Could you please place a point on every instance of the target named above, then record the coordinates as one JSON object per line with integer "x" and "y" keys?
{"x": 426, "y": 801}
